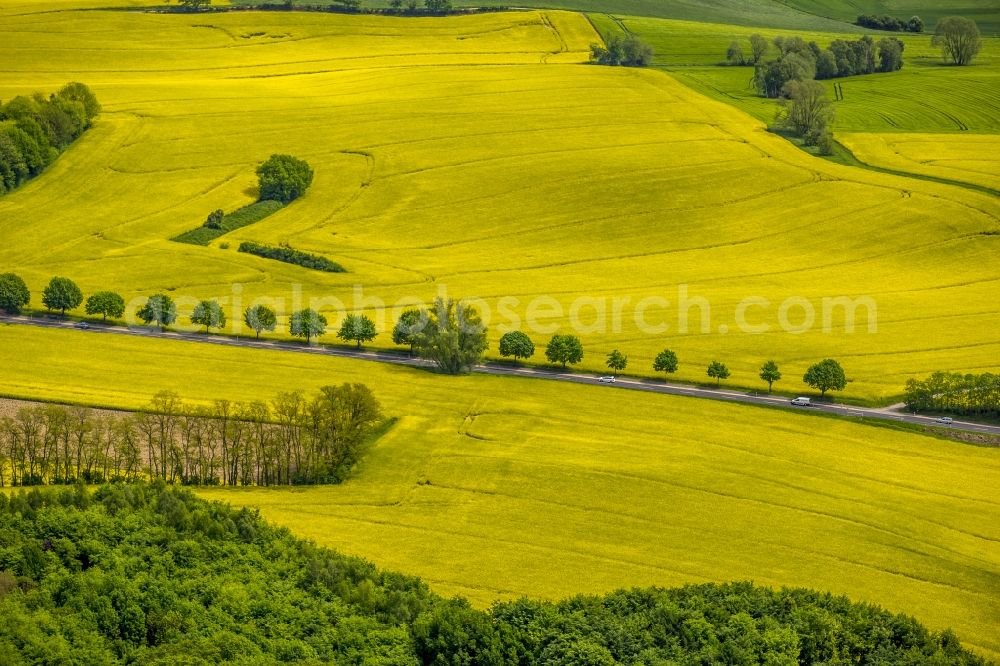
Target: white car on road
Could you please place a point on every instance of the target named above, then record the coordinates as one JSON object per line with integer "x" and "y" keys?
{"x": 607, "y": 379}
{"x": 801, "y": 402}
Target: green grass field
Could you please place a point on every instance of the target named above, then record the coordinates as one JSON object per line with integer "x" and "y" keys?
{"x": 496, "y": 487}
{"x": 474, "y": 154}
{"x": 925, "y": 96}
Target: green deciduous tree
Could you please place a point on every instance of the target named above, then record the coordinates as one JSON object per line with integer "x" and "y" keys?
{"x": 454, "y": 337}
{"x": 14, "y": 294}
{"x": 79, "y": 92}
{"x": 665, "y": 361}
{"x": 307, "y": 324}
{"x": 565, "y": 349}
{"x": 734, "y": 54}
{"x": 890, "y": 54}
{"x": 62, "y": 294}
{"x": 827, "y": 375}
{"x": 758, "y": 48}
{"x": 105, "y": 303}
{"x": 516, "y": 344}
{"x": 260, "y": 319}
{"x": 807, "y": 111}
{"x": 438, "y": 6}
{"x": 357, "y": 328}
{"x": 958, "y": 38}
{"x": 159, "y": 309}
{"x": 283, "y": 178}
{"x": 769, "y": 373}
{"x": 208, "y": 314}
{"x": 616, "y": 362}
{"x": 410, "y": 323}
{"x": 718, "y": 371}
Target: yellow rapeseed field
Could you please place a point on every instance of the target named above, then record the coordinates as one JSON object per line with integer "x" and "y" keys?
{"x": 970, "y": 158}
{"x": 475, "y": 155}
{"x": 494, "y": 487}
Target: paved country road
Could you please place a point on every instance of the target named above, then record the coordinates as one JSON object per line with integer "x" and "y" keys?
{"x": 623, "y": 383}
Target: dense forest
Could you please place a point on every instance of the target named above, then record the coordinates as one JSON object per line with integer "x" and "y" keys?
{"x": 150, "y": 574}
{"x": 34, "y": 130}
{"x": 293, "y": 439}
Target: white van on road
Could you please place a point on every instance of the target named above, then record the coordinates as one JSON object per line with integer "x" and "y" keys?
{"x": 801, "y": 402}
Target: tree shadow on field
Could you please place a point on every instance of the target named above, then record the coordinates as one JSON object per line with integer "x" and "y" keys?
{"x": 252, "y": 192}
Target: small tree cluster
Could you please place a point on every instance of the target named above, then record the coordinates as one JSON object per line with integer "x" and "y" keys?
{"x": 890, "y": 23}
{"x": 798, "y": 60}
{"x": 628, "y": 51}
{"x": 283, "y": 178}
{"x": 955, "y": 393}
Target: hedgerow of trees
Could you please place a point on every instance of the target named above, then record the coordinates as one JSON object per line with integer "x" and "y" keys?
{"x": 955, "y": 393}
{"x": 890, "y": 23}
{"x": 292, "y": 439}
{"x": 34, "y": 130}
{"x": 289, "y": 255}
{"x": 150, "y": 574}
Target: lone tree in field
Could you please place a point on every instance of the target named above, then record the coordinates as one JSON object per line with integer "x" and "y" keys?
{"x": 454, "y": 336}
{"x": 208, "y": 314}
{"x": 769, "y": 373}
{"x": 958, "y": 38}
{"x": 665, "y": 361}
{"x": 105, "y": 303}
{"x": 718, "y": 371}
{"x": 62, "y": 294}
{"x": 357, "y": 328}
{"x": 307, "y": 324}
{"x": 564, "y": 349}
{"x": 14, "y": 294}
{"x": 260, "y": 319}
{"x": 827, "y": 375}
{"x": 617, "y": 362}
{"x": 410, "y": 323}
{"x": 159, "y": 309}
{"x": 516, "y": 344}
{"x": 283, "y": 178}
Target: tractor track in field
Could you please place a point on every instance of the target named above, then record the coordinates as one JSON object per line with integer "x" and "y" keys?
{"x": 861, "y": 414}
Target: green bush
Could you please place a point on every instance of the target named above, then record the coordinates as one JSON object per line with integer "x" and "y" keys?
{"x": 291, "y": 256}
